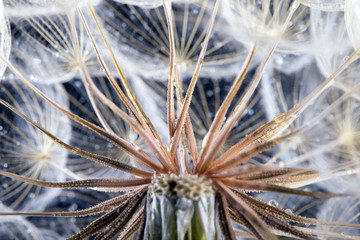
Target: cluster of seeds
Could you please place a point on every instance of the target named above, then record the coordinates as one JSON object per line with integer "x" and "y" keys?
{"x": 188, "y": 186}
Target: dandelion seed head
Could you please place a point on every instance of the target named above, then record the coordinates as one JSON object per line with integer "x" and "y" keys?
{"x": 281, "y": 20}
{"x": 31, "y": 8}
{"x": 352, "y": 17}
{"x": 142, "y": 34}
{"x": 325, "y": 5}
{"x": 5, "y": 42}
{"x": 29, "y": 152}
{"x": 181, "y": 119}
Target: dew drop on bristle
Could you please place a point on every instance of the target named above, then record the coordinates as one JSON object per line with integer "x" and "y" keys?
{"x": 288, "y": 211}
{"x": 273, "y": 203}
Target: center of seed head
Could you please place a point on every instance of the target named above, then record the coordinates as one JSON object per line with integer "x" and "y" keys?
{"x": 189, "y": 186}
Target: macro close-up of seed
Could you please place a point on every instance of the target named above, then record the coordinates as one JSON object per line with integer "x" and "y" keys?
{"x": 179, "y": 119}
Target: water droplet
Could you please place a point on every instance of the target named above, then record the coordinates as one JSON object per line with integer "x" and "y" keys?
{"x": 73, "y": 207}
{"x": 133, "y": 136}
{"x": 137, "y": 148}
{"x": 77, "y": 84}
{"x": 295, "y": 5}
{"x": 195, "y": 11}
{"x": 288, "y": 211}
{"x": 346, "y": 58}
{"x": 202, "y": 131}
{"x": 209, "y": 93}
{"x": 33, "y": 78}
{"x": 279, "y": 60}
{"x": 273, "y": 203}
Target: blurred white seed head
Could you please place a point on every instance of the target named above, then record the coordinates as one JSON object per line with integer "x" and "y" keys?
{"x": 269, "y": 22}
{"x": 52, "y": 48}
{"x": 140, "y": 35}
{"x": 5, "y": 39}
{"x": 352, "y": 20}
{"x": 324, "y": 5}
{"x": 32, "y": 8}
{"x": 152, "y": 3}
{"x": 27, "y": 151}
{"x": 341, "y": 210}
{"x": 328, "y": 30}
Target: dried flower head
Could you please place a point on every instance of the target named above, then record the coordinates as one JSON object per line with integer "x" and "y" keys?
{"x": 225, "y": 159}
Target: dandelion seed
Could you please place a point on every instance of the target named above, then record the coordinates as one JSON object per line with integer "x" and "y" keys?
{"x": 325, "y": 5}
{"x": 144, "y": 39}
{"x": 352, "y": 18}
{"x": 57, "y": 41}
{"x": 26, "y": 151}
{"x": 5, "y": 41}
